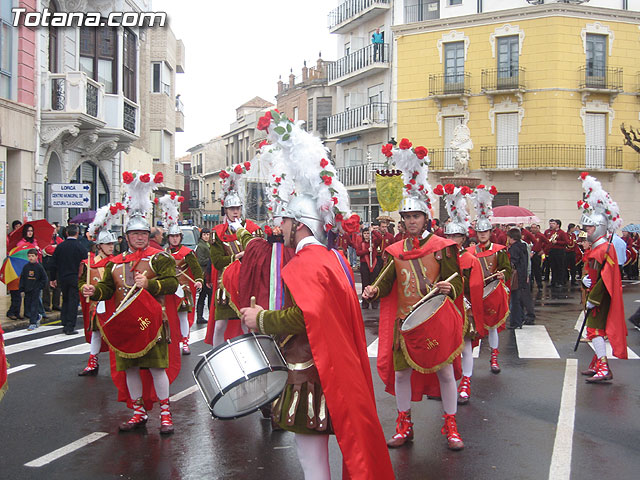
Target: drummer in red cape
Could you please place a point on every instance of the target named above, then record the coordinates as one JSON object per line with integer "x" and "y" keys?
{"x": 189, "y": 273}
{"x": 225, "y": 249}
{"x": 330, "y": 389}
{"x": 496, "y": 270}
{"x": 604, "y": 308}
{"x": 139, "y": 285}
{"x": 105, "y": 242}
{"x": 457, "y": 229}
{"x": 412, "y": 350}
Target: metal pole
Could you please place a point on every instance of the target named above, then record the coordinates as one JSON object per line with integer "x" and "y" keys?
{"x": 369, "y": 181}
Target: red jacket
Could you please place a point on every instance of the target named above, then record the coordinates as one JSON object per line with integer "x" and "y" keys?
{"x": 560, "y": 239}
{"x": 540, "y": 243}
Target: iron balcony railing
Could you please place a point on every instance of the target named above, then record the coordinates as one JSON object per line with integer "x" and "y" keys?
{"x": 424, "y": 10}
{"x": 449, "y": 84}
{"x": 511, "y": 78}
{"x": 74, "y": 92}
{"x": 358, "y": 60}
{"x": 350, "y": 9}
{"x": 601, "y": 78}
{"x": 358, "y": 174}
{"x": 441, "y": 159}
{"x": 129, "y": 117}
{"x": 370, "y": 114}
{"x": 551, "y": 156}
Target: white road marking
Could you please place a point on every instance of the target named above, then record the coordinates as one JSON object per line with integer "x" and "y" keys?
{"x": 630, "y": 353}
{"x": 20, "y": 368}
{"x": 81, "y": 349}
{"x": 41, "y": 342}
{"x": 476, "y": 350}
{"x": 25, "y": 332}
{"x": 534, "y": 342}
{"x": 197, "y": 335}
{"x": 372, "y": 350}
{"x": 67, "y": 449}
{"x": 184, "y": 393}
{"x": 636, "y": 301}
{"x": 560, "y": 468}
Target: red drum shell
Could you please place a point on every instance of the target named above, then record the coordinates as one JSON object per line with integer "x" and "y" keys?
{"x": 496, "y": 303}
{"x": 431, "y": 336}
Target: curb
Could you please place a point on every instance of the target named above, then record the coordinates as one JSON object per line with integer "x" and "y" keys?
{"x": 9, "y": 325}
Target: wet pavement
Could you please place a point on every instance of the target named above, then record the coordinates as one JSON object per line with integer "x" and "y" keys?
{"x": 509, "y": 426}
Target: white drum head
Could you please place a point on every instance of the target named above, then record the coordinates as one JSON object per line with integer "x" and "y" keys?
{"x": 422, "y": 313}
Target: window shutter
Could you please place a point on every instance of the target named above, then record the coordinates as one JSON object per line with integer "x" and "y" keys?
{"x": 595, "y": 125}
{"x": 507, "y": 140}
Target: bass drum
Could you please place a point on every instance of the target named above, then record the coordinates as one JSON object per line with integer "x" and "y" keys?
{"x": 431, "y": 335}
{"x": 496, "y": 303}
{"x": 241, "y": 375}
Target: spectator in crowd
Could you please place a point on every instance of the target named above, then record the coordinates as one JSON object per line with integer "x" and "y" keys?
{"x": 155, "y": 239}
{"x": 204, "y": 259}
{"x": 85, "y": 241}
{"x": 378, "y": 45}
{"x": 558, "y": 240}
{"x": 14, "y": 226}
{"x": 50, "y": 297}
{"x": 520, "y": 293}
{"x": 32, "y": 280}
{"x": 66, "y": 264}
{"x": 402, "y": 231}
{"x": 16, "y": 300}
{"x": 122, "y": 245}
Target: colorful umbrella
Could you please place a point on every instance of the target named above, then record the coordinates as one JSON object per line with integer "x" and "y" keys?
{"x": 13, "y": 265}
{"x": 84, "y": 218}
{"x": 513, "y": 214}
{"x": 42, "y": 231}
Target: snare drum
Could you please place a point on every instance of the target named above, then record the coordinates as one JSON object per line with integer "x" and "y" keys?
{"x": 241, "y": 375}
{"x": 496, "y": 304}
{"x": 431, "y": 336}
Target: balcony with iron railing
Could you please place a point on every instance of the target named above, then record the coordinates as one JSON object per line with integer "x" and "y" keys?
{"x": 351, "y": 13}
{"x": 74, "y": 96}
{"x": 122, "y": 116}
{"x": 501, "y": 80}
{"x": 358, "y": 119}
{"x": 424, "y": 10}
{"x": 450, "y": 85}
{"x": 551, "y": 157}
{"x": 600, "y": 79}
{"x": 358, "y": 175}
{"x": 359, "y": 64}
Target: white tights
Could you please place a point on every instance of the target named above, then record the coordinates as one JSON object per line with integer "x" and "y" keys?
{"x": 184, "y": 324}
{"x": 493, "y": 338}
{"x": 160, "y": 382}
{"x": 313, "y": 453}
{"x": 219, "y": 329}
{"x": 403, "y": 389}
{"x": 448, "y": 389}
{"x": 599, "y": 346}
{"x": 96, "y": 343}
{"x": 467, "y": 359}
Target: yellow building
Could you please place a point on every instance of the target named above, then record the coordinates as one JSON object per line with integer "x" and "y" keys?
{"x": 543, "y": 90}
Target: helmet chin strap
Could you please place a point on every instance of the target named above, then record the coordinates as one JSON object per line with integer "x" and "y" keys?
{"x": 292, "y": 235}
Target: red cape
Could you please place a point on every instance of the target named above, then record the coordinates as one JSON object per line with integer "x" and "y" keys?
{"x": 233, "y": 326}
{"x": 179, "y": 255}
{"x": 3, "y": 366}
{"x": 119, "y": 378}
{"x": 476, "y": 287}
{"x": 89, "y": 309}
{"x": 421, "y": 384}
{"x": 616, "y": 328}
{"x": 335, "y": 328}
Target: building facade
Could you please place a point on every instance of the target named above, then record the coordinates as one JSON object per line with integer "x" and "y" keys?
{"x": 206, "y": 160}
{"x": 543, "y": 89}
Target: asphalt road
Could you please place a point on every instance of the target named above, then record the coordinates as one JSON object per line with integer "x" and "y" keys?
{"x": 537, "y": 419}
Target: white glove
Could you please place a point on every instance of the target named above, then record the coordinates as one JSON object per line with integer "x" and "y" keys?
{"x": 586, "y": 281}
{"x": 590, "y": 305}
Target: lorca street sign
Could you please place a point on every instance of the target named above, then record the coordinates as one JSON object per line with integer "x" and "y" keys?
{"x": 69, "y": 195}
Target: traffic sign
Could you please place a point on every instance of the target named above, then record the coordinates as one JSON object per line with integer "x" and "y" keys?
{"x": 69, "y": 195}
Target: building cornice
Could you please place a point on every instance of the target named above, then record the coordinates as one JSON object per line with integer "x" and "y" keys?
{"x": 17, "y": 107}
{"x": 516, "y": 14}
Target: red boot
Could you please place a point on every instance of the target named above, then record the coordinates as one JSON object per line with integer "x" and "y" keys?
{"x": 603, "y": 372}
{"x": 91, "y": 368}
{"x": 464, "y": 390}
{"x": 495, "y": 368}
{"x": 166, "y": 423}
{"x": 139, "y": 417}
{"x": 591, "y": 371}
{"x": 404, "y": 430}
{"x": 185, "y": 346}
{"x": 450, "y": 429}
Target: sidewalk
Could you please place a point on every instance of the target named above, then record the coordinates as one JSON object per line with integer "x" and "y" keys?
{"x": 8, "y": 325}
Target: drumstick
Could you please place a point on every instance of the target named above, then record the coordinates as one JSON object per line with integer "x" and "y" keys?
{"x": 381, "y": 274}
{"x": 188, "y": 277}
{"x": 433, "y": 292}
{"x": 253, "y": 302}
{"x": 494, "y": 275}
{"x": 126, "y": 297}
{"x": 88, "y": 275}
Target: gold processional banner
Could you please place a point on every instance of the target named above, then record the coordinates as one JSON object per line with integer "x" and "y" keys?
{"x": 389, "y": 191}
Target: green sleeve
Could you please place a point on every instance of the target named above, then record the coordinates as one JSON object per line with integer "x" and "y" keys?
{"x": 219, "y": 258}
{"x": 287, "y": 321}
{"x": 244, "y": 237}
{"x": 106, "y": 286}
{"x": 598, "y": 293}
{"x": 504, "y": 264}
{"x": 386, "y": 278}
{"x": 196, "y": 270}
{"x": 82, "y": 277}
{"x": 449, "y": 266}
{"x": 165, "y": 281}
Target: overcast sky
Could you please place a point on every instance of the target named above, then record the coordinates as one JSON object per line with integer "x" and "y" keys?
{"x": 235, "y": 50}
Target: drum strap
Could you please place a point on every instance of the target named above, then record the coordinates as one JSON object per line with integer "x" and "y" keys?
{"x": 420, "y": 272}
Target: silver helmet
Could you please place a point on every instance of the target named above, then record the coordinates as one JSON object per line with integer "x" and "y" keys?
{"x": 483, "y": 225}
{"x": 302, "y": 208}
{"x": 105, "y": 236}
{"x": 232, "y": 200}
{"x": 413, "y": 204}
{"x": 597, "y": 220}
{"x": 452, "y": 228}
{"x": 174, "y": 229}
{"x": 137, "y": 222}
